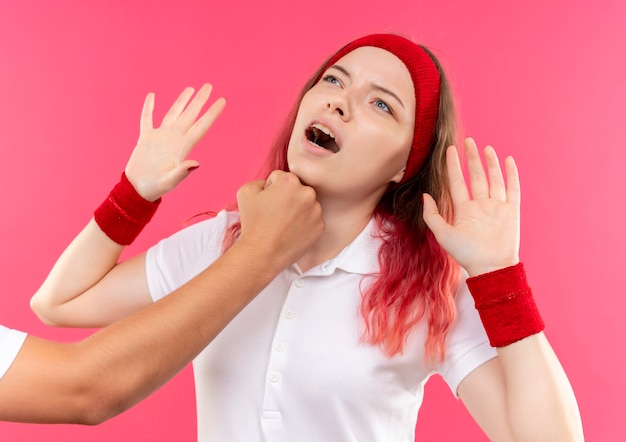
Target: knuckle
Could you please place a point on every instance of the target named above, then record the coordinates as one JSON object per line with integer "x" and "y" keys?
{"x": 241, "y": 191}
{"x": 290, "y": 178}
{"x": 308, "y": 192}
{"x": 277, "y": 174}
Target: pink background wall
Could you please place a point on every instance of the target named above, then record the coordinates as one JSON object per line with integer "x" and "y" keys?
{"x": 543, "y": 81}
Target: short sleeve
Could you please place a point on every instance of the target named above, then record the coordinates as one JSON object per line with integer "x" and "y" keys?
{"x": 175, "y": 260}
{"x": 10, "y": 344}
{"x": 467, "y": 345}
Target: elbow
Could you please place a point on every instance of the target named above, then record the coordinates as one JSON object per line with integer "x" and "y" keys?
{"x": 38, "y": 306}
{"x": 93, "y": 412}
{"x": 94, "y": 404}
{"x": 44, "y": 310}
{"x": 100, "y": 391}
{"x": 96, "y": 412}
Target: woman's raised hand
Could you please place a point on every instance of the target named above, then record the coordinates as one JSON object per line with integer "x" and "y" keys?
{"x": 484, "y": 234}
{"x": 159, "y": 161}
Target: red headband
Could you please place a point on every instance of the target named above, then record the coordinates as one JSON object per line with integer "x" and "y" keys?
{"x": 426, "y": 82}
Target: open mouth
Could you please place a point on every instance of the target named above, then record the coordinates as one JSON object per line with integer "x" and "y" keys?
{"x": 322, "y": 136}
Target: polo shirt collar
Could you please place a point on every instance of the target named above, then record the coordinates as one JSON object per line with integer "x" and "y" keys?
{"x": 360, "y": 256}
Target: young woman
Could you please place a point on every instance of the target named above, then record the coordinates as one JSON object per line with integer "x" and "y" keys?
{"x": 338, "y": 347}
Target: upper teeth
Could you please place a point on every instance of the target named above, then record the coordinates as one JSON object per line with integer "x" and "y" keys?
{"x": 324, "y": 129}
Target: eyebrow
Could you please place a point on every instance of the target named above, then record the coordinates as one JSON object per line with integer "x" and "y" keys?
{"x": 374, "y": 85}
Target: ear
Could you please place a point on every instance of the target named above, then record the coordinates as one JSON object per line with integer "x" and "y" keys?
{"x": 398, "y": 176}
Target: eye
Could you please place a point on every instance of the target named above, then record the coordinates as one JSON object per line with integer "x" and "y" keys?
{"x": 380, "y": 104}
{"x": 331, "y": 79}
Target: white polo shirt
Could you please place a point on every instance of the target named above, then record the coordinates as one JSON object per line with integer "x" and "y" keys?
{"x": 292, "y": 367}
{"x": 10, "y": 343}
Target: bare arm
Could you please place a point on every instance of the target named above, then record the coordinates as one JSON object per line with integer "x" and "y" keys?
{"x": 524, "y": 393}
{"x": 90, "y": 381}
{"x": 87, "y": 287}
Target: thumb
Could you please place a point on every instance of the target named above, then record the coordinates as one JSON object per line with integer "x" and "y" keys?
{"x": 182, "y": 171}
{"x": 275, "y": 176}
{"x": 249, "y": 189}
{"x": 432, "y": 217}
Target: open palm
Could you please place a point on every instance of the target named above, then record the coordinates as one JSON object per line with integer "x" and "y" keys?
{"x": 484, "y": 234}
{"x": 159, "y": 161}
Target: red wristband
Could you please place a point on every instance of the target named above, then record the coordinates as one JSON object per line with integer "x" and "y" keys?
{"x": 124, "y": 213}
{"x": 506, "y": 305}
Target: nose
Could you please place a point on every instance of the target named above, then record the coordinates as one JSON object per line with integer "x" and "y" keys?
{"x": 340, "y": 104}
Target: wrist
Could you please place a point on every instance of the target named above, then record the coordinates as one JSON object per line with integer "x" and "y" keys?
{"x": 484, "y": 268}
{"x": 124, "y": 213}
{"x": 257, "y": 257}
{"x": 143, "y": 190}
{"x": 506, "y": 305}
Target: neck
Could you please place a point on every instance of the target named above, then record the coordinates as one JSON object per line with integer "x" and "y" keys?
{"x": 343, "y": 224}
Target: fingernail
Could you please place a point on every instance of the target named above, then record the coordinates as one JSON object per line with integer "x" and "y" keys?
{"x": 192, "y": 168}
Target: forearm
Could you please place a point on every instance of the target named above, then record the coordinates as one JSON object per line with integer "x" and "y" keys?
{"x": 93, "y": 253}
{"x": 88, "y": 258}
{"x": 165, "y": 336}
{"x": 540, "y": 401}
{"x": 93, "y": 380}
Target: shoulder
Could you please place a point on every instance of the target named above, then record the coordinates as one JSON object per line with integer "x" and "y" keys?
{"x": 177, "y": 259}
{"x": 205, "y": 232}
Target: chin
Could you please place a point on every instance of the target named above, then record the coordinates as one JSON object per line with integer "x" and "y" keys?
{"x": 307, "y": 179}
{"x": 299, "y": 173}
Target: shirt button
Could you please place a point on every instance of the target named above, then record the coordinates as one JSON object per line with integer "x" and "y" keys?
{"x": 289, "y": 314}
{"x": 299, "y": 283}
{"x": 274, "y": 377}
{"x": 280, "y": 346}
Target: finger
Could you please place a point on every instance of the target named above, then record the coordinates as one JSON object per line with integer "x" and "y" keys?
{"x": 145, "y": 122}
{"x": 177, "y": 108}
{"x": 252, "y": 187}
{"x": 513, "y": 192}
{"x": 248, "y": 190}
{"x": 191, "y": 112}
{"x": 256, "y": 185}
{"x": 288, "y": 184}
{"x": 180, "y": 172}
{"x": 478, "y": 179}
{"x": 432, "y": 218}
{"x": 458, "y": 188}
{"x": 202, "y": 125}
{"x": 281, "y": 179}
{"x": 497, "y": 189}
{"x": 273, "y": 176}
